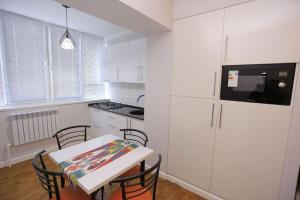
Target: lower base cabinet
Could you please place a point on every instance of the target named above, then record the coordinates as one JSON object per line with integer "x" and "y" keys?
{"x": 136, "y": 124}
{"x": 250, "y": 148}
{"x": 103, "y": 122}
{"x": 235, "y": 150}
{"x": 191, "y": 140}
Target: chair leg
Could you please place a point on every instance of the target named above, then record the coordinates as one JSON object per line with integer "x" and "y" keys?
{"x": 94, "y": 194}
{"x": 102, "y": 193}
{"x": 142, "y": 170}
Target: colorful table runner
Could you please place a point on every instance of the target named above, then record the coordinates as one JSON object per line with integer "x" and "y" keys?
{"x": 92, "y": 160}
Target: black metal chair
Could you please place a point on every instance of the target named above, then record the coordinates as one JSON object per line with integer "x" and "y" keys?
{"x": 135, "y": 135}
{"x": 141, "y": 138}
{"x": 50, "y": 182}
{"x": 133, "y": 188}
{"x": 71, "y": 134}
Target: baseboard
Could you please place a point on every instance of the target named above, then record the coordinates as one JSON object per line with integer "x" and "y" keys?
{"x": 25, "y": 157}
{"x": 163, "y": 175}
{"x": 193, "y": 189}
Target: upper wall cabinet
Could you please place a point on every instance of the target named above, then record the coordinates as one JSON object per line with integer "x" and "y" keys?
{"x": 125, "y": 62}
{"x": 262, "y": 31}
{"x": 197, "y": 55}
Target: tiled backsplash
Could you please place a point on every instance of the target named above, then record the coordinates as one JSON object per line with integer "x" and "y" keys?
{"x": 127, "y": 93}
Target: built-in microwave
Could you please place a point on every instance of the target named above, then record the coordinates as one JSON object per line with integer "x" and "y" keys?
{"x": 259, "y": 83}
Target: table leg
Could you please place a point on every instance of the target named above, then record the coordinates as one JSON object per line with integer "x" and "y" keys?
{"x": 142, "y": 170}
{"x": 94, "y": 194}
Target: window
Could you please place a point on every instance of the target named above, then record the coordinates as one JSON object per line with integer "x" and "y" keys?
{"x": 33, "y": 67}
{"x": 25, "y": 56}
{"x": 2, "y": 95}
{"x": 65, "y": 66}
{"x": 91, "y": 66}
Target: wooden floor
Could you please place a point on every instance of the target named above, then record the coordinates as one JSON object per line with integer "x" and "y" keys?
{"x": 20, "y": 183}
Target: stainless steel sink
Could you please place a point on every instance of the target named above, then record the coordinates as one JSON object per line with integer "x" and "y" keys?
{"x": 137, "y": 112}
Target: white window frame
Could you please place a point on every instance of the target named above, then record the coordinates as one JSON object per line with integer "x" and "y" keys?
{"x": 48, "y": 64}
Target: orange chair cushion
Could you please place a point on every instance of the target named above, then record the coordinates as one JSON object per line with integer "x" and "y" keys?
{"x": 68, "y": 193}
{"x": 117, "y": 194}
{"x": 133, "y": 171}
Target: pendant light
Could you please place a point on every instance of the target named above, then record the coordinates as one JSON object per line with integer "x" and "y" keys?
{"x": 66, "y": 41}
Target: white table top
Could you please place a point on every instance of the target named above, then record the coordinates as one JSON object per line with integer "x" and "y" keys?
{"x": 98, "y": 178}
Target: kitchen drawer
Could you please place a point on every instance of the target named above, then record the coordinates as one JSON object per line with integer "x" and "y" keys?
{"x": 111, "y": 117}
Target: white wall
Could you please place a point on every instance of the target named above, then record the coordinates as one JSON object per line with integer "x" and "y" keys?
{"x": 142, "y": 16}
{"x": 186, "y": 8}
{"x": 157, "y": 92}
{"x": 69, "y": 114}
{"x": 159, "y": 10}
{"x": 127, "y": 93}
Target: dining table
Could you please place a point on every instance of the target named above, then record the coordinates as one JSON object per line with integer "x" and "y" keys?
{"x": 92, "y": 164}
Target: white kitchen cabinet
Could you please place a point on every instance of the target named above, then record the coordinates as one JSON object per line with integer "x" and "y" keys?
{"x": 114, "y": 123}
{"x": 114, "y": 63}
{"x": 262, "y": 31}
{"x": 137, "y": 124}
{"x": 104, "y": 122}
{"x": 250, "y": 149}
{"x": 97, "y": 118}
{"x": 127, "y": 61}
{"x": 191, "y": 139}
{"x": 197, "y": 47}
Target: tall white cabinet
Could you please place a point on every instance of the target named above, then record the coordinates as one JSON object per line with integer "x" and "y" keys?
{"x": 234, "y": 150}
{"x": 262, "y": 31}
{"x": 249, "y": 150}
{"x": 196, "y": 56}
{"x": 191, "y": 140}
{"x": 196, "y": 64}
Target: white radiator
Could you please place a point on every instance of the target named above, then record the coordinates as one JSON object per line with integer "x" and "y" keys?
{"x": 33, "y": 126}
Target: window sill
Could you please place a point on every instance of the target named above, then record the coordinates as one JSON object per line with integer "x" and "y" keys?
{"x": 39, "y": 105}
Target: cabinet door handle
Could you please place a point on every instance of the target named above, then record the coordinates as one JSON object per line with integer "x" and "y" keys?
{"x": 212, "y": 115}
{"x": 221, "y": 113}
{"x": 117, "y": 74}
{"x": 226, "y": 48}
{"x": 215, "y": 79}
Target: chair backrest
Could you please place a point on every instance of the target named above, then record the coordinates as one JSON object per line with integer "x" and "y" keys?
{"x": 135, "y": 135}
{"x": 71, "y": 134}
{"x": 48, "y": 179}
{"x": 139, "y": 184}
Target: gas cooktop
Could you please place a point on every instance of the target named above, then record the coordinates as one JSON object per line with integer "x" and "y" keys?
{"x": 108, "y": 105}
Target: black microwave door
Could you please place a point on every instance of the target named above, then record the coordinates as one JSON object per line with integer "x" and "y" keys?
{"x": 258, "y": 83}
{"x": 250, "y": 85}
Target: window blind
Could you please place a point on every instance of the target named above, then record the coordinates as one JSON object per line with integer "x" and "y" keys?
{"x": 2, "y": 96}
{"x": 24, "y": 41}
{"x": 65, "y": 66}
{"x": 91, "y": 66}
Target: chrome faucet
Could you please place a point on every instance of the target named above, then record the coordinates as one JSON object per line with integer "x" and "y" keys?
{"x": 138, "y": 99}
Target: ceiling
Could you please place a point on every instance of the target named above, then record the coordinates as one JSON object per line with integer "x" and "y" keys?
{"x": 52, "y": 12}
